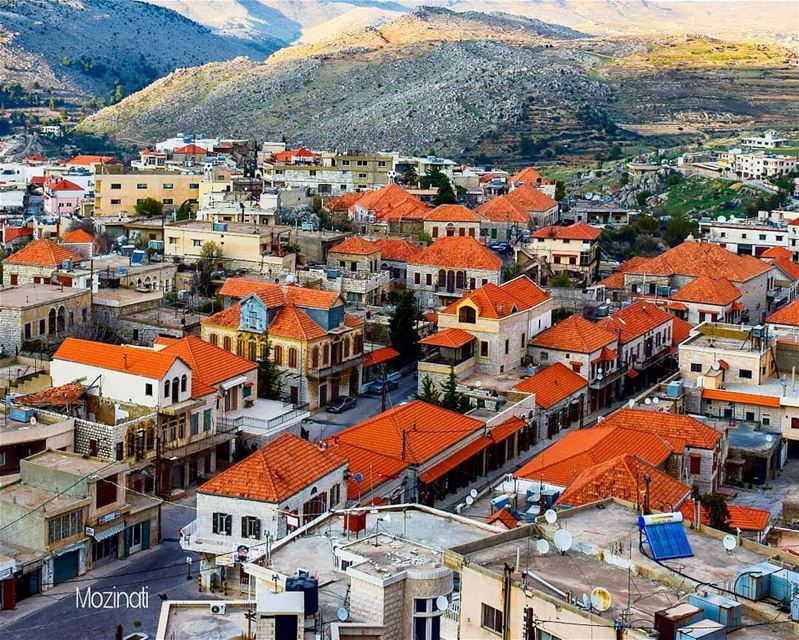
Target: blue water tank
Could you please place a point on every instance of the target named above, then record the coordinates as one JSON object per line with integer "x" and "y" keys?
{"x": 21, "y": 415}
{"x": 674, "y": 389}
{"x": 719, "y": 609}
{"x": 784, "y": 585}
{"x": 795, "y": 609}
{"x": 220, "y": 226}
{"x": 310, "y": 591}
{"x": 753, "y": 581}
{"x": 704, "y": 630}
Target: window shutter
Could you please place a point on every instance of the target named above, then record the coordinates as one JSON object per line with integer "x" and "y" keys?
{"x": 215, "y": 523}
{"x": 243, "y": 526}
{"x": 229, "y": 525}
{"x": 258, "y": 528}
{"x": 145, "y": 535}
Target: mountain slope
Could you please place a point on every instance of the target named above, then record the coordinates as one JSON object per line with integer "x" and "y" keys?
{"x": 77, "y": 48}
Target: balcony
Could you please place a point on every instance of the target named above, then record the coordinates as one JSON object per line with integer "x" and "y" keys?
{"x": 609, "y": 378}
{"x": 333, "y": 369}
{"x": 365, "y": 281}
{"x": 190, "y": 541}
{"x": 438, "y": 364}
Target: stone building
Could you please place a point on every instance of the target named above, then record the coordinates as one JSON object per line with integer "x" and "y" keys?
{"x": 357, "y": 262}
{"x": 572, "y": 250}
{"x": 36, "y": 263}
{"x": 450, "y": 220}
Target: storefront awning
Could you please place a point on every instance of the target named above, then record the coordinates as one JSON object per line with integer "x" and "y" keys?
{"x": 379, "y": 356}
{"x": 235, "y": 382}
{"x": 461, "y": 455}
{"x": 113, "y": 530}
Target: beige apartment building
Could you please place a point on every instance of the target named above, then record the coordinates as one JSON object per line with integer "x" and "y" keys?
{"x": 116, "y": 193}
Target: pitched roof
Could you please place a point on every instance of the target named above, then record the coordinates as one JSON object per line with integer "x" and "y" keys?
{"x": 230, "y": 317}
{"x": 776, "y": 252}
{"x": 343, "y": 202}
{"x": 504, "y": 517}
{"x": 676, "y": 429}
{"x": 622, "y": 477}
{"x": 191, "y": 150}
{"x": 789, "y": 314}
{"x": 552, "y": 385}
{"x": 291, "y": 322}
{"x": 576, "y": 231}
{"x": 699, "y": 259}
{"x": 283, "y": 467}
{"x": 451, "y": 338}
{"x": 680, "y": 330}
{"x": 62, "y": 395}
{"x": 718, "y": 291}
{"x": 378, "y": 356}
{"x": 635, "y": 320}
{"x": 356, "y": 245}
{"x": 63, "y": 185}
{"x": 276, "y": 294}
{"x": 375, "y": 449}
{"x": 86, "y": 160}
{"x": 528, "y": 198}
{"x": 452, "y": 213}
{"x": 397, "y": 249}
{"x": 288, "y": 154}
{"x": 140, "y": 361}
{"x": 501, "y": 210}
{"x": 575, "y": 334}
{"x": 391, "y": 199}
{"x": 79, "y": 236}
{"x": 42, "y": 253}
{"x": 498, "y": 301}
{"x": 458, "y": 251}
{"x": 744, "y": 518}
{"x": 529, "y": 175}
{"x": 567, "y": 458}
{"x": 742, "y": 398}
{"x": 613, "y": 281}
{"x": 789, "y": 267}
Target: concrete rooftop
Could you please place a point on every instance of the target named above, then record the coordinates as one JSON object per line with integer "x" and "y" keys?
{"x": 34, "y": 295}
{"x": 69, "y": 462}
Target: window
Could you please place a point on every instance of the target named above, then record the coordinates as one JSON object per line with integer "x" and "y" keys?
{"x": 417, "y": 278}
{"x": 148, "y": 389}
{"x": 362, "y": 175}
{"x": 696, "y": 367}
{"x": 222, "y": 523}
{"x": 64, "y": 526}
{"x": 467, "y": 314}
{"x": 429, "y": 279}
{"x": 292, "y": 358}
{"x": 166, "y": 388}
{"x": 491, "y": 619}
{"x": 135, "y": 335}
{"x": 184, "y": 380}
{"x": 360, "y": 163}
{"x": 173, "y": 240}
{"x": 116, "y": 201}
{"x": 194, "y": 424}
{"x": 213, "y": 339}
{"x": 345, "y": 163}
{"x": 42, "y": 328}
{"x": 105, "y": 493}
{"x": 167, "y": 185}
{"x": 426, "y": 619}
{"x": 197, "y": 243}
{"x": 277, "y": 355}
{"x": 226, "y": 343}
{"x": 545, "y": 635}
{"x": 381, "y": 163}
{"x": 250, "y": 527}
{"x": 194, "y": 185}
{"x": 483, "y": 349}
{"x": 543, "y": 356}
{"x": 696, "y": 465}
{"x": 2, "y": 459}
{"x": 169, "y": 201}
{"x": 745, "y": 373}
{"x": 141, "y": 185}
{"x": 116, "y": 185}
{"x": 207, "y": 420}
{"x": 335, "y": 494}
{"x": 315, "y": 358}
{"x": 507, "y": 347}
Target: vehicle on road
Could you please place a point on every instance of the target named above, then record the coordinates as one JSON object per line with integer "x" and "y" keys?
{"x": 342, "y": 404}
{"x": 501, "y": 247}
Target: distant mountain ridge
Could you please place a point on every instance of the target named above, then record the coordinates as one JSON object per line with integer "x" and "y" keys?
{"x": 80, "y": 48}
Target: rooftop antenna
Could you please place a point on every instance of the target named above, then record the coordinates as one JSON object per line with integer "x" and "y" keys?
{"x": 563, "y": 541}
{"x": 729, "y": 541}
{"x": 551, "y": 516}
{"x": 342, "y": 614}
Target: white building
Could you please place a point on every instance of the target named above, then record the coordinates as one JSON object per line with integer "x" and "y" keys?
{"x": 759, "y": 165}
{"x": 769, "y": 140}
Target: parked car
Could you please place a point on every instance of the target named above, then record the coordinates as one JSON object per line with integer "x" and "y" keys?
{"x": 501, "y": 247}
{"x": 377, "y": 385}
{"x": 341, "y": 405}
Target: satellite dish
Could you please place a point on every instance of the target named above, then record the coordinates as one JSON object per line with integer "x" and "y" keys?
{"x": 542, "y": 546}
{"x": 342, "y": 614}
{"x": 722, "y": 218}
{"x": 631, "y": 403}
{"x": 442, "y": 604}
{"x": 473, "y": 493}
{"x": 563, "y": 540}
{"x": 358, "y": 477}
{"x": 729, "y": 542}
{"x": 550, "y": 516}
{"x": 600, "y": 599}
{"x": 469, "y": 500}
{"x": 586, "y": 601}
{"x": 769, "y": 438}
{"x": 716, "y": 365}
{"x": 647, "y": 400}
{"x": 655, "y": 400}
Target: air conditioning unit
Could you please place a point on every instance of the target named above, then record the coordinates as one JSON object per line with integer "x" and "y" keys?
{"x": 217, "y": 608}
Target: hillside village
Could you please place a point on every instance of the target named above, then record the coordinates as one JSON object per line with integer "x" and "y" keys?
{"x": 361, "y": 394}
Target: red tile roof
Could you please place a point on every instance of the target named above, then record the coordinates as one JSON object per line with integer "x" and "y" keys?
{"x": 622, "y": 477}
{"x": 742, "y": 398}
{"x": 576, "y": 231}
{"x": 552, "y": 385}
{"x": 63, "y": 395}
{"x": 718, "y": 291}
{"x": 356, "y": 245}
{"x": 275, "y": 294}
{"x": 36, "y": 158}
{"x": 343, "y": 202}
{"x": 378, "y": 356}
{"x": 62, "y": 185}
{"x": 460, "y": 252}
{"x": 529, "y": 175}
{"x": 500, "y": 210}
{"x": 575, "y": 334}
{"x": 375, "y": 449}
{"x": 613, "y": 281}
{"x": 567, "y": 458}
{"x": 680, "y": 330}
{"x": 635, "y": 320}
{"x": 352, "y": 321}
{"x": 452, "y": 213}
{"x": 42, "y": 253}
{"x": 397, "y": 249}
{"x": 676, "y": 429}
{"x": 494, "y": 301}
{"x": 86, "y": 160}
{"x": 290, "y": 322}
{"x": 288, "y": 154}
{"x": 286, "y": 465}
{"x": 699, "y": 259}
{"x": 451, "y": 338}
{"x": 191, "y": 150}
{"x": 744, "y": 518}
{"x": 79, "y": 236}
{"x": 504, "y": 517}
{"x": 528, "y": 198}
{"x": 790, "y": 268}
{"x": 391, "y": 201}
{"x": 788, "y": 315}
{"x": 776, "y": 252}
{"x": 139, "y": 361}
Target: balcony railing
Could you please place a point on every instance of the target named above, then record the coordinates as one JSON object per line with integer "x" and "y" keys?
{"x": 437, "y": 364}
{"x": 333, "y": 369}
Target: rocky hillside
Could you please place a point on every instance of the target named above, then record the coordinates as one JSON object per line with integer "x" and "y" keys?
{"x": 78, "y": 48}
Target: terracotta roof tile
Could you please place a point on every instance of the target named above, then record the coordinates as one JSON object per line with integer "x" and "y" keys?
{"x": 678, "y": 430}
{"x": 744, "y": 518}
{"x": 63, "y": 395}
{"x": 528, "y": 198}
{"x": 42, "y": 253}
{"x": 86, "y": 160}
{"x": 528, "y": 175}
{"x": 191, "y": 150}
{"x": 79, "y": 236}
{"x": 62, "y": 185}
{"x": 504, "y": 517}
{"x": 352, "y": 321}
{"x": 452, "y": 213}
{"x": 286, "y": 465}
{"x": 379, "y": 356}
{"x": 576, "y": 231}
{"x": 356, "y": 245}
{"x": 292, "y": 323}
{"x": 458, "y": 251}
{"x": 790, "y": 268}
{"x": 613, "y": 281}
{"x": 622, "y": 477}
{"x": 635, "y": 320}
{"x": 140, "y": 361}
{"x": 391, "y": 201}
{"x": 742, "y": 398}
{"x": 788, "y": 315}
{"x": 552, "y": 385}
{"x": 776, "y": 252}
{"x": 343, "y": 202}
{"x": 397, "y": 249}
{"x": 288, "y": 154}
{"x": 451, "y": 338}
{"x": 575, "y": 334}
{"x": 230, "y": 317}
{"x": 680, "y": 330}
{"x": 494, "y": 301}
{"x": 500, "y": 210}
{"x": 275, "y": 294}
{"x": 719, "y": 291}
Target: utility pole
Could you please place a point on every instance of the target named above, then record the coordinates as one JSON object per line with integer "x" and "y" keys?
{"x": 383, "y": 391}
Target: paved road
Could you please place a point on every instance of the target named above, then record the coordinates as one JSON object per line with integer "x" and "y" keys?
{"x": 162, "y": 569}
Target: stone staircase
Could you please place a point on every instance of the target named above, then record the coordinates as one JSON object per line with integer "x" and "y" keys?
{"x": 37, "y": 382}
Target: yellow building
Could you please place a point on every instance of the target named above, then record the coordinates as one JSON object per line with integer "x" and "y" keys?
{"x": 116, "y": 193}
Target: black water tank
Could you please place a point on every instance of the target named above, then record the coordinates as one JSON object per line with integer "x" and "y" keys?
{"x": 310, "y": 589}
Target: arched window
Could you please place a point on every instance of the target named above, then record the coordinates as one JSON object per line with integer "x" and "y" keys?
{"x": 183, "y": 382}
{"x": 467, "y": 314}
{"x": 240, "y": 348}
{"x": 346, "y": 347}
{"x": 460, "y": 280}
{"x": 315, "y": 358}
{"x": 357, "y": 347}
{"x": 51, "y": 321}
{"x": 62, "y": 319}
{"x": 292, "y": 358}
{"x": 175, "y": 392}
{"x": 252, "y": 350}
{"x": 166, "y": 388}
{"x": 442, "y": 278}
{"x": 213, "y": 339}
{"x": 226, "y": 343}
{"x": 277, "y": 355}
{"x": 325, "y": 354}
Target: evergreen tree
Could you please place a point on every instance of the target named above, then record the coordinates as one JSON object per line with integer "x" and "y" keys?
{"x": 453, "y": 399}
{"x": 560, "y": 190}
{"x": 270, "y": 382}
{"x": 717, "y": 511}
{"x": 150, "y": 207}
{"x": 445, "y": 195}
{"x": 429, "y": 392}
{"x": 402, "y": 325}
{"x": 410, "y": 177}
